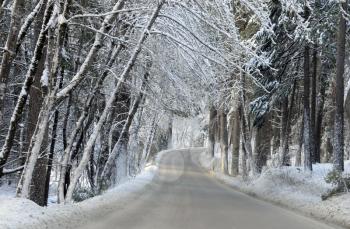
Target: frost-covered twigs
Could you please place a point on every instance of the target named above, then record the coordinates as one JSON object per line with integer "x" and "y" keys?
{"x": 85, "y": 112}
{"x": 106, "y": 14}
{"x": 21, "y": 101}
{"x": 27, "y": 23}
{"x": 93, "y": 51}
{"x": 78, "y": 171}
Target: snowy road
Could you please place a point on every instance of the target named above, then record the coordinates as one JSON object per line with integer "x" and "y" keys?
{"x": 183, "y": 196}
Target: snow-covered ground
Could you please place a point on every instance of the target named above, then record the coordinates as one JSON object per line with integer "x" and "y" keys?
{"x": 16, "y": 213}
{"x": 292, "y": 188}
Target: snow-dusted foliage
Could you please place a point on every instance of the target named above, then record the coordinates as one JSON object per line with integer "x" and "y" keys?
{"x": 91, "y": 90}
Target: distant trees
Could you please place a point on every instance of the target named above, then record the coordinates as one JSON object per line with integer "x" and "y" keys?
{"x": 293, "y": 86}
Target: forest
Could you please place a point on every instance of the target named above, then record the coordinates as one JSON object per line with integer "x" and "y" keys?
{"x": 91, "y": 90}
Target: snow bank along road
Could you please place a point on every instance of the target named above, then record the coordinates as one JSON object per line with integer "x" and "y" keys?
{"x": 182, "y": 195}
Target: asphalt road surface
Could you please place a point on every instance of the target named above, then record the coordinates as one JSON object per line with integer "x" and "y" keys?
{"x": 183, "y": 195}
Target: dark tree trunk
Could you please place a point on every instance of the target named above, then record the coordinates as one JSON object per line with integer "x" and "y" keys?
{"x": 51, "y": 154}
{"x": 286, "y": 136}
{"x": 170, "y": 131}
{"x": 37, "y": 192}
{"x": 262, "y": 138}
{"x": 339, "y": 94}
{"x": 235, "y": 140}
{"x": 211, "y": 132}
{"x": 300, "y": 144}
{"x": 319, "y": 116}
{"x": 52, "y": 144}
{"x": 245, "y": 129}
{"x": 284, "y": 131}
{"x": 65, "y": 121}
{"x": 10, "y": 50}
{"x": 276, "y": 134}
{"x": 307, "y": 119}
{"x": 244, "y": 161}
{"x": 315, "y": 157}
{"x": 224, "y": 141}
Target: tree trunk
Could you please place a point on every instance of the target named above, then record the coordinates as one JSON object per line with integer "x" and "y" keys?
{"x": 339, "y": 93}
{"x": 235, "y": 140}
{"x": 319, "y": 116}
{"x": 10, "y": 49}
{"x": 211, "y": 131}
{"x": 51, "y": 154}
{"x": 315, "y": 157}
{"x": 262, "y": 138}
{"x": 65, "y": 122}
{"x": 223, "y": 141}
{"x": 276, "y": 141}
{"x": 37, "y": 192}
{"x": 286, "y": 134}
{"x": 300, "y": 145}
{"x": 170, "y": 131}
{"x": 307, "y": 119}
{"x": 144, "y": 157}
{"x": 245, "y": 128}
{"x": 244, "y": 161}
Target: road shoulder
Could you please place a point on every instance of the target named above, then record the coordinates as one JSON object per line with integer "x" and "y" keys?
{"x": 335, "y": 211}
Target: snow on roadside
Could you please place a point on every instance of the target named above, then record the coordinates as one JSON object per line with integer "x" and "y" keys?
{"x": 291, "y": 187}
{"x": 17, "y": 213}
